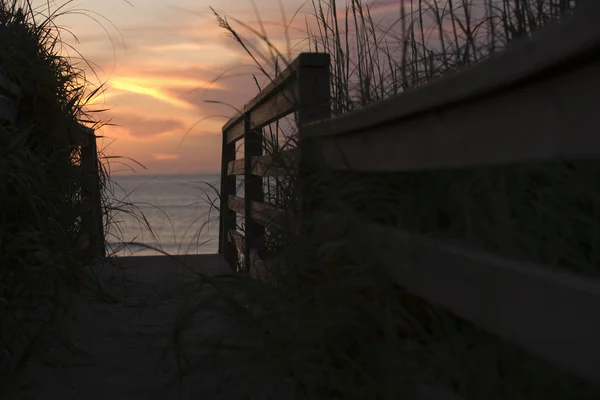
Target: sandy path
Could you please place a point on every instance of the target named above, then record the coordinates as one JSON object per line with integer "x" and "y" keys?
{"x": 121, "y": 342}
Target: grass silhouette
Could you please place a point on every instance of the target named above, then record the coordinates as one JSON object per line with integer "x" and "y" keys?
{"x": 334, "y": 326}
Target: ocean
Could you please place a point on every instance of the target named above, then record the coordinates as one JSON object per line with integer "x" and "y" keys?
{"x": 169, "y": 212}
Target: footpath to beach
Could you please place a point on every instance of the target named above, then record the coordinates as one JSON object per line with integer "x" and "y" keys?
{"x": 121, "y": 336}
{"x": 121, "y": 339}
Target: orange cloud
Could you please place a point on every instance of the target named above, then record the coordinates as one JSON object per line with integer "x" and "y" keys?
{"x": 132, "y": 87}
{"x": 156, "y": 86}
{"x": 143, "y": 127}
{"x": 165, "y": 157}
{"x": 167, "y": 81}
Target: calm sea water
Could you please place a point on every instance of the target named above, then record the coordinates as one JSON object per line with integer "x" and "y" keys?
{"x": 177, "y": 209}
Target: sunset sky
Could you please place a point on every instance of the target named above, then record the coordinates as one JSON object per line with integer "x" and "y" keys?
{"x": 159, "y": 60}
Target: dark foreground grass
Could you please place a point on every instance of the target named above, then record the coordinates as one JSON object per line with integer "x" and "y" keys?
{"x": 334, "y": 326}
{"x": 42, "y": 240}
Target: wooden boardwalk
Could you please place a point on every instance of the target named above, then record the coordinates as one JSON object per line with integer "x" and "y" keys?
{"x": 122, "y": 337}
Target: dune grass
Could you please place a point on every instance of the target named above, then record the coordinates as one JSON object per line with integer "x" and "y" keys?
{"x": 334, "y": 326}
{"x": 42, "y": 237}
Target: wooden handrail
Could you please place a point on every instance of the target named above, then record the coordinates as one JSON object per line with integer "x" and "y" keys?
{"x": 534, "y": 102}
{"x": 261, "y": 213}
{"x": 293, "y": 90}
{"x": 284, "y": 163}
{"x": 550, "y": 313}
{"x": 277, "y": 99}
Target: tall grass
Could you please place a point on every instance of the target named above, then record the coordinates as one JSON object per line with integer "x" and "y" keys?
{"x": 41, "y": 234}
{"x": 334, "y": 326}
{"x": 375, "y": 57}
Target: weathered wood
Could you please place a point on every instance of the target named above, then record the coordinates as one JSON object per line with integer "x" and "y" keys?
{"x": 234, "y": 127}
{"x": 313, "y": 92}
{"x": 236, "y": 167}
{"x": 536, "y": 101}
{"x": 97, "y": 213}
{"x": 227, "y": 216}
{"x": 93, "y": 216}
{"x": 236, "y": 204}
{"x": 269, "y": 216}
{"x": 314, "y": 106}
{"x": 253, "y": 190}
{"x": 279, "y": 105}
{"x": 293, "y": 90}
{"x": 284, "y": 163}
{"x": 264, "y": 214}
{"x": 552, "y": 314}
{"x": 234, "y": 132}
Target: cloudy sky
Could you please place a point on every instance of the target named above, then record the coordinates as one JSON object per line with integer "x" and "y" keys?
{"x": 160, "y": 60}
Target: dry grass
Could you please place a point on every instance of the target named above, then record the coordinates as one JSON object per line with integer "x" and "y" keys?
{"x": 41, "y": 231}
{"x": 335, "y": 327}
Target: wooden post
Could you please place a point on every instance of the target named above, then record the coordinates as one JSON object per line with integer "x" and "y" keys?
{"x": 253, "y": 190}
{"x": 227, "y": 221}
{"x": 314, "y": 101}
{"x": 97, "y": 215}
{"x": 92, "y": 219}
{"x": 314, "y": 104}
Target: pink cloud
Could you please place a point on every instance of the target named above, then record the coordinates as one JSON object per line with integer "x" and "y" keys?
{"x": 143, "y": 127}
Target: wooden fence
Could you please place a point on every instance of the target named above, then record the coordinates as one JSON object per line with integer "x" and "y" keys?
{"x": 535, "y": 102}
{"x": 85, "y": 138}
{"x": 302, "y": 88}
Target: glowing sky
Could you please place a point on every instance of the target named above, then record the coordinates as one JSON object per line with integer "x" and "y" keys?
{"x": 159, "y": 60}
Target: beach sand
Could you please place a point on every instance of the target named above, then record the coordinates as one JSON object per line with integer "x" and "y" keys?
{"x": 121, "y": 342}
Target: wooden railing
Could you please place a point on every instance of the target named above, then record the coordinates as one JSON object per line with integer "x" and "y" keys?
{"x": 85, "y": 138}
{"x": 535, "y": 102}
{"x": 302, "y": 88}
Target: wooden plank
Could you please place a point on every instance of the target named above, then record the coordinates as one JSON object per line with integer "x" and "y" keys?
{"x": 280, "y": 104}
{"x": 235, "y": 131}
{"x": 92, "y": 219}
{"x": 264, "y": 214}
{"x": 552, "y": 314}
{"x": 269, "y": 216}
{"x": 544, "y": 121}
{"x": 533, "y": 102}
{"x": 313, "y": 93}
{"x": 97, "y": 237}
{"x": 235, "y": 167}
{"x": 253, "y": 190}
{"x": 284, "y": 163}
{"x": 305, "y": 60}
{"x": 227, "y": 219}
{"x": 315, "y": 105}
{"x": 236, "y": 204}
